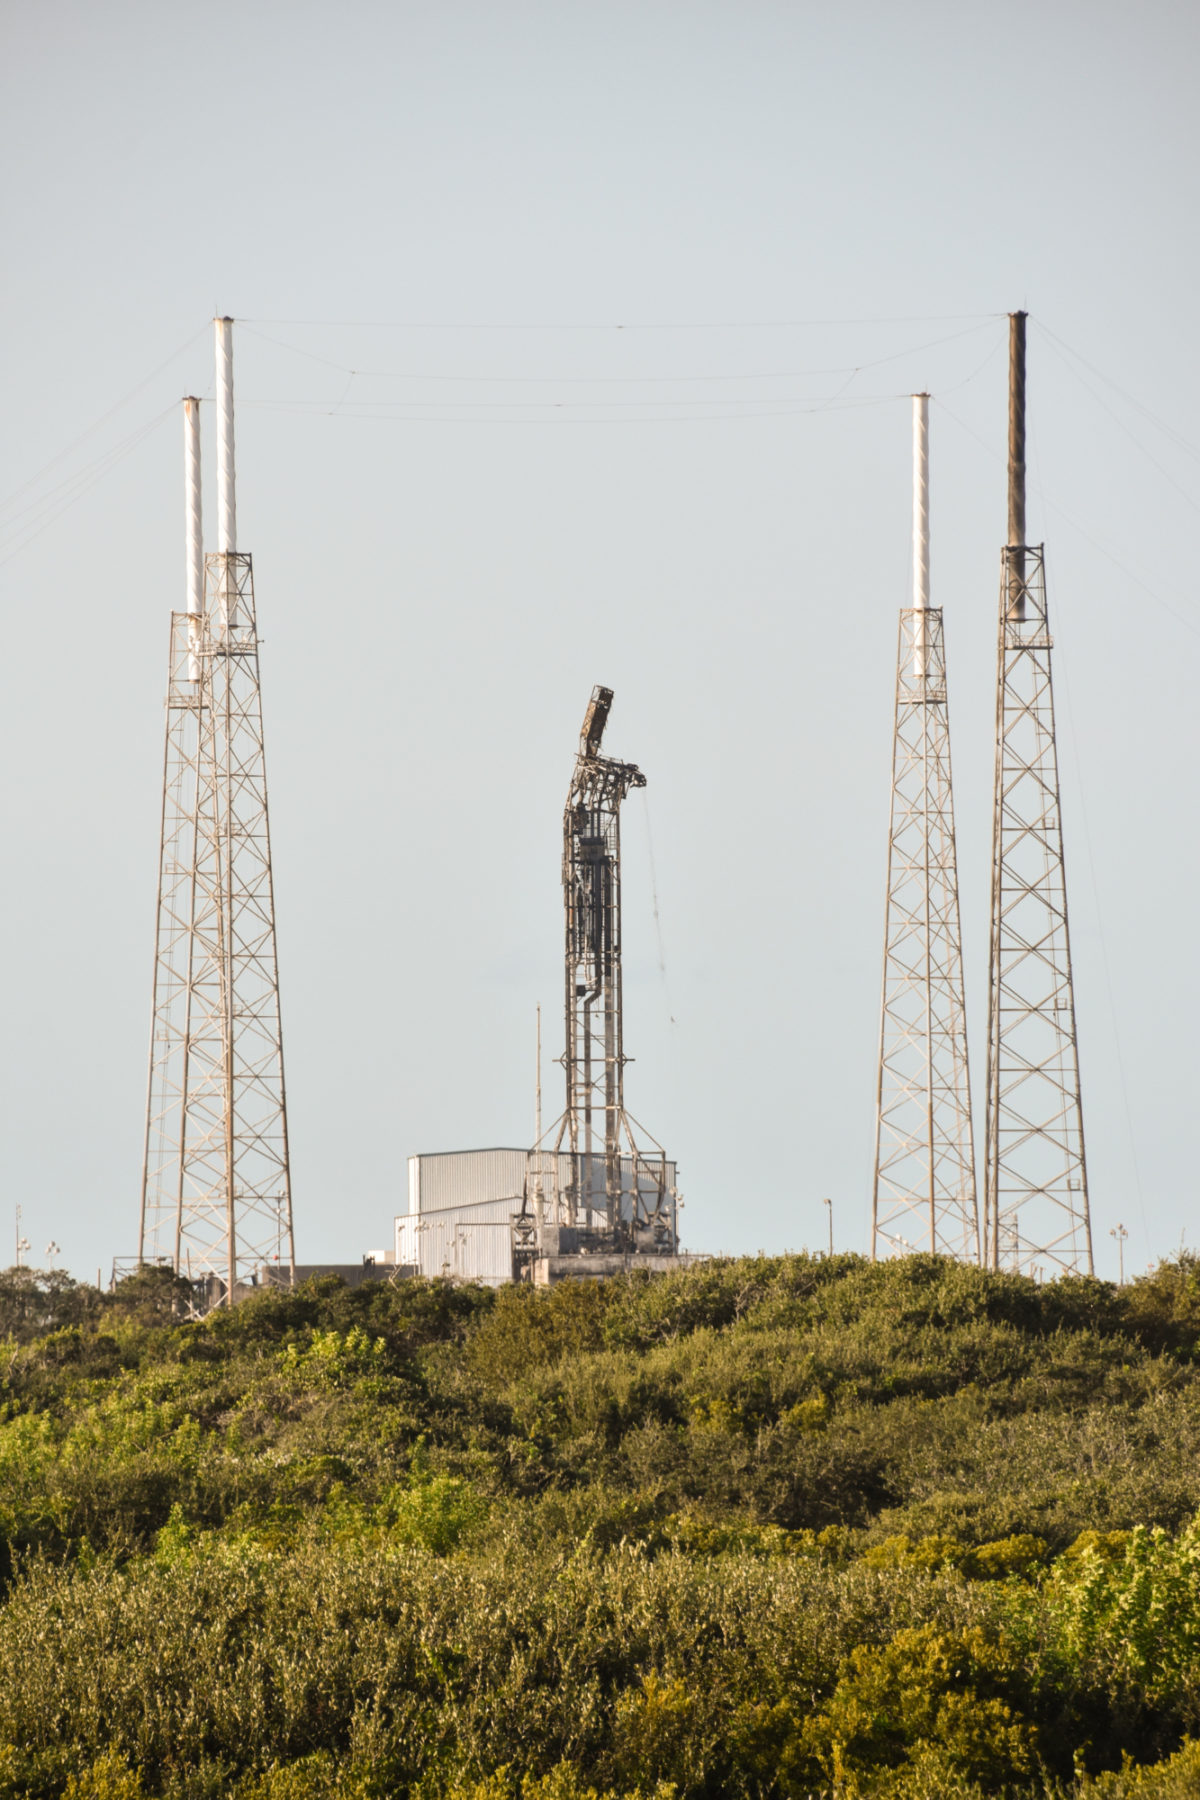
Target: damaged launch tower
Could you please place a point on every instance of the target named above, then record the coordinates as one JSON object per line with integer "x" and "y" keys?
{"x": 597, "y": 1185}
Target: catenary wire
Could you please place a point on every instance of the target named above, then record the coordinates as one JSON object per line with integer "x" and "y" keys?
{"x": 104, "y": 417}
{"x": 87, "y": 478}
{"x": 1122, "y": 426}
{"x": 611, "y": 380}
{"x": 1168, "y": 430}
{"x": 1055, "y": 506}
{"x": 632, "y": 325}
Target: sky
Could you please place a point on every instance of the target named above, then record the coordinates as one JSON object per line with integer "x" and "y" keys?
{"x": 574, "y": 345}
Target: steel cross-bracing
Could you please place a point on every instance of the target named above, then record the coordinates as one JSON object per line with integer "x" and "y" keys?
{"x": 216, "y": 1185}
{"x": 924, "y": 1185}
{"x": 1036, "y": 1195}
{"x": 600, "y": 1177}
{"x": 217, "y": 1190}
{"x": 170, "y": 1038}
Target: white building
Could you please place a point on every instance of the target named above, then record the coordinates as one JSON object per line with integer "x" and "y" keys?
{"x": 460, "y": 1211}
{"x": 461, "y": 1206}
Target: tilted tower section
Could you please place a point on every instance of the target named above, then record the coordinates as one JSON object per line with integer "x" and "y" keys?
{"x": 924, "y": 1195}
{"x": 216, "y": 1196}
{"x": 1036, "y": 1211}
{"x": 604, "y": 1179}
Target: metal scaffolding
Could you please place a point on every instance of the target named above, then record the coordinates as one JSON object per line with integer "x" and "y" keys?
{"x": 1036, "y": 1214}
{"x": 216, "y": 1188}
{"x": 923, "y": 1195}
{"x": 604, "y": 1178}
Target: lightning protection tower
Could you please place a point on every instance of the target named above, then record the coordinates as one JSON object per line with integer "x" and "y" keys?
{"x": 1035, "y": 1198}
{"x": 599, "y": 1179}
{"x": 216, "y": 1187}
{"x": 924, "y": 1186}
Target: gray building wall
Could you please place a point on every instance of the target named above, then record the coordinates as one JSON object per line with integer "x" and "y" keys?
{"x": 463, "y": 1243}
{"x": 464, "y": 1178}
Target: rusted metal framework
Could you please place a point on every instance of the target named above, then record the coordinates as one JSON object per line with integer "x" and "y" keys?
{"x": 923, "y": 1195}
{"x": 1036, "y": 1212}
{"x": 604, "y": 1179}
{"x": 216, "y": 1188}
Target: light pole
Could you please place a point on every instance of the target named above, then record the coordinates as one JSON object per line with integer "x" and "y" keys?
{"x": 829, "y": 1204}
{"x": 52, "y": 1250}
{"x": 1119, "y": 1232}
{"x": 22, "y": 1247}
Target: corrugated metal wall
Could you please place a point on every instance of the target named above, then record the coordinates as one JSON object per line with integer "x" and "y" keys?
{"x": 464, "y": 1178}
{"x": 465, "y": 1243}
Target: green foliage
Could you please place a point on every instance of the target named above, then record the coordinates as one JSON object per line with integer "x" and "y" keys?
{"x": 1128, "y": 1618}
{"x": 527, "y": 1329}
{"x": 927, "y": 1697}
{"x": 108, "y": 1778}
{"x": 315, "y": 1777}
{"x": 1017, "y": 1555}
{"x": 35, "y": 1303}
{"x": 435, "y": 1511}
{"x": 777, "y": 1527}
{"x": 562, "y": 1783}
{"x": 1177, "y": 1778}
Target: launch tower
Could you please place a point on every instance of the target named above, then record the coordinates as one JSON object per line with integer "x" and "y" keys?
{"x": 604, "y": 1185}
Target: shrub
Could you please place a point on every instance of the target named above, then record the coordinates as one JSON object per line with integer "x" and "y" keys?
{"x": 925, "y": 1691}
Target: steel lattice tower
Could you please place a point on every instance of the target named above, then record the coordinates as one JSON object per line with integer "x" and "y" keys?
{"x": 924, "y": 1186}
{"x": 1036, "y": 1198}
{"x": 216, "y": 1192}
{"x": 599, "y": 1177}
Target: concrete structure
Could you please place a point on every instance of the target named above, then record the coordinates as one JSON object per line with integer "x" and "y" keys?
{"x": 546, "y": 1271}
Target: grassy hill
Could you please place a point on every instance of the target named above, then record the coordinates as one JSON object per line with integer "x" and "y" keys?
{"x": 767, "y": 1527}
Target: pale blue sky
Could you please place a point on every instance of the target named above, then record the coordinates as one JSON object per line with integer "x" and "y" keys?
{"x": 526, "y": 500}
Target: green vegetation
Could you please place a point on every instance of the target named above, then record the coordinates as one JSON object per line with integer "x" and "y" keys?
{"x": 774, "y": 1527}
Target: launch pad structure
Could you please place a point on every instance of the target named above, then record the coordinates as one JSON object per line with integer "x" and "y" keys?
{"x": 597, "y": 1184}
{"x": 596, "y": 1195}
{"x": 216, "y": 1200}
{"x": 596, "y": 1192}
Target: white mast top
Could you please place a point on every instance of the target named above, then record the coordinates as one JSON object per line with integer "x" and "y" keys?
{"x": 191, "y": 497}
{"x": 226, "y": 501}
{"x": 920, "y": 424}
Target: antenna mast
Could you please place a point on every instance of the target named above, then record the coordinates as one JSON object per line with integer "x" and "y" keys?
{"x": 216, "y": 1190}
{"x": 1036, "y": 1213}
{"x": 924, "y": 1195}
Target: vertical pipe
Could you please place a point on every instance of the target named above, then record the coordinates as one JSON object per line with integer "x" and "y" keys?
{"x": 195, "y": 542}
{"x": 195, "y": 539}
{"x": 227, "y": 549}
{"x": 538, "y": 1192}
{"x": 226, "y": 487}
{"x": 226, "y": 500}
{"x": 920, "y": 412}
{"x": 1016, "y": 464}
{"x": 920, "y": 527}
